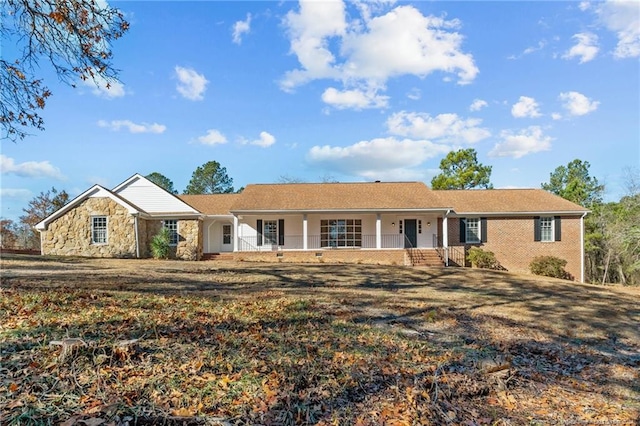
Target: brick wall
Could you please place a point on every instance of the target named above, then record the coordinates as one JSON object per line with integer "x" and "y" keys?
{"x": 511, "y": 240}
{"x": 376, "y": 257}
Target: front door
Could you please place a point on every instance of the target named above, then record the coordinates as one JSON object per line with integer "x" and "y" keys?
{"x": 410, "y": 233}
{"x": 227, "y": 238}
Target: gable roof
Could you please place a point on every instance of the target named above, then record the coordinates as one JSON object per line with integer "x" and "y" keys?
{"x": 211, "y": 204}
{"x": 94, "y": 191}
{"x": 151, "y": 197}
{"x": 494, "y": 201}
{"x": 299, "y": 197}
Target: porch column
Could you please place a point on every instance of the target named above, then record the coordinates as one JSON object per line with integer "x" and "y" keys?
{"x": 378, "y": 232}
{"x": 235, "y": 233}
{"x": 445, "y": 239}
{"x": 305, "y": 233}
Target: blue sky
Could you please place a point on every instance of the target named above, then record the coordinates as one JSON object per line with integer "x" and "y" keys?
{"x": 355, "y": 91}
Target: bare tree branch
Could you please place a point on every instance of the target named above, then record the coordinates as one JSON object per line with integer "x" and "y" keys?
{"x": 73, "y": 36}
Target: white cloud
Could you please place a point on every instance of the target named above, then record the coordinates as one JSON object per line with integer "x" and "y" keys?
{"x": 531, "y": 49}
{"x": 240, "y": 28}
{"x": 116, "y": 125}
{"x": 414, "y": 94}
{"x": 623, "y": 18}
{"x": 556, "y": 116}
{"x": 577, "y": 104}
{"x": 213, "y": 137}
{"x": 525, "y": 142}
{"x": 383, "y": 158}
{"x": 586, "y": 48}
{"x": 444, "y": 128}
{"x": 104, "y": 88}
{"x": 584, "y": 5}
{"x": 191, "y": 85}
{"x": 525, "y": 107}
{"x": 309, "y": 32}
{"x": 477, "y": 105}
{"x": 20, "y": 194}
{"x": 265, "y": 140}
{"x": 31, "y": 169}
{"x": 364, "y": 53}
{"x": 355, "y": 99}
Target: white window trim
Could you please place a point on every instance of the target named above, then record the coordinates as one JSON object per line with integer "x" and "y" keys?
{"x": 552, "y": 236}
{"x": 106, "y": 232}
{"x": 164, "y": 224}
{"x": 266, "y": 240}
{"x": 479, "y": 233}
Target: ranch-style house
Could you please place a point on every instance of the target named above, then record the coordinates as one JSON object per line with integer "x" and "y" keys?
{"x": 403, "y": 223}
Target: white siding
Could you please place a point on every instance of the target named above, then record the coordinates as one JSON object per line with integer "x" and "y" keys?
{"x": 151, "y": 198}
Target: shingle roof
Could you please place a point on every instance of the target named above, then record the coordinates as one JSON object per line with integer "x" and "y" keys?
{"x": 507, "y": 200}
{"x": 378, "y": 196}
{"x": 337, "y": 196}
{"x": 211, "y": 204}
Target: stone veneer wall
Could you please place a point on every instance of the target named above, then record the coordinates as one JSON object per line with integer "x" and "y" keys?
{"x": 70, "y": 234}
{"x": 190, "y": 233}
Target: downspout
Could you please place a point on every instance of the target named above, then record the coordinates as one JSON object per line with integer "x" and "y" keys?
{"x": 582, "y": 247}
{"x": 135, "y": 229}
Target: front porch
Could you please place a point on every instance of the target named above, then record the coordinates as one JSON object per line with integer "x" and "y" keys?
{"x": 406, "y": 257}
{"x": 318, "y": 242}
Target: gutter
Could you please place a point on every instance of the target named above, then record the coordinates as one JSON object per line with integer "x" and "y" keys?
{"x": 582, "y": 247}
{"x": 135, "y": 229}
{"x": 350, "y": 211}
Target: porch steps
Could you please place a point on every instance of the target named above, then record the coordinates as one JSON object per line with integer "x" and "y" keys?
{"x": 217, "y": 256}
{"x": 424, "y": 257}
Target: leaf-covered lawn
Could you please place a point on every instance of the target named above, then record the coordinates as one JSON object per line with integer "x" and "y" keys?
{"x": 124, "y": 342}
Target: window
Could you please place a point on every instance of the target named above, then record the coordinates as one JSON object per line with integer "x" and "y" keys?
{"x": 99, "y": 230}
{"x": 270, "y": 232}
{"x": 473, "y": 230}
{"x": 226, "y": 234}
{"x": 172, "y": 226}
{"x": 341, "y": 233}
{"x": 546, "y": 229}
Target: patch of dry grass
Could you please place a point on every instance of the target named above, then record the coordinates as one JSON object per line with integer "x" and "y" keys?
{"x": 216, "y": 343}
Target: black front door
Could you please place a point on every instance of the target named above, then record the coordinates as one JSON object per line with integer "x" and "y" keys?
{"x": 410, "y": 233}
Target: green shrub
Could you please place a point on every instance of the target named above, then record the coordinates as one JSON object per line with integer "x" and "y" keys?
{"x": 160, "y": 248}
{"x": 482, "y": 259}
{"x": 549, "y": 266}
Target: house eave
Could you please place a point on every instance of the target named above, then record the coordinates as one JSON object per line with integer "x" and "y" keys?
{"x": 525, "y": 213}
{"x": 44, "y": 223}
{"x": 349, "y": 211}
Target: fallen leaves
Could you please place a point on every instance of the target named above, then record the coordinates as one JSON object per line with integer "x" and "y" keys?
{"x": 282, "y": 358}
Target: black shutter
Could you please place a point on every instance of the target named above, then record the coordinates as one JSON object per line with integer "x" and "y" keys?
{"x": 280, "y": 232}
{"x": 463, "y": 230}
{"x": 558, "y": 228}
{"x": 259, "y": 229}
{"x": 536, "y": 229}
{"x": 483, "y": 229}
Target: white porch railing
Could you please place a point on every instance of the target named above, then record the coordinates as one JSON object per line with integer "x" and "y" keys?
{"x": 314, "y": 242}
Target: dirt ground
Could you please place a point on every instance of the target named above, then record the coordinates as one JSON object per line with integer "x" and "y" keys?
{"x": 561, "y": 340}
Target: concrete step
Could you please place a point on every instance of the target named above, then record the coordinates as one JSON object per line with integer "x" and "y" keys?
{"x": 425, "y": 257}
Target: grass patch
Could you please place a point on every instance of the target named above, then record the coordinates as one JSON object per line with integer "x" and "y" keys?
{"x": 262, "y": 345}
